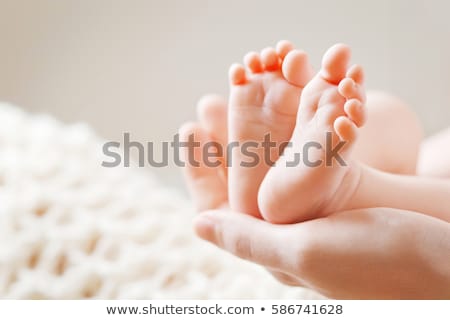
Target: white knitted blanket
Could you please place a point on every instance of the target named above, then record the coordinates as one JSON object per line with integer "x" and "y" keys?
{"x": 71, "y": 229}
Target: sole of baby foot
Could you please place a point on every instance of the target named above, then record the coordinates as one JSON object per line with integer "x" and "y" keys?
{"x": 316, "y": 175}
{"x": 264, "y": 99}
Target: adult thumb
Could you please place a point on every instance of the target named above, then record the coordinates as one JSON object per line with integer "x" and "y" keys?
{"x": 273, "y": 246}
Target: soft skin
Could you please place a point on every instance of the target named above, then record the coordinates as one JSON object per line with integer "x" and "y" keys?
{"x": 277, "y": 93}
{"x": 305, "y": 254}
{"x": 395, "y": 253}
{"x": 361, "y": 254}
{"x": 264, "y": 98}
{"x": 332, "y": 105}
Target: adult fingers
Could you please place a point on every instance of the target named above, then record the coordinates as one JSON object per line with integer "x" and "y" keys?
{"x": 204, "y": 177}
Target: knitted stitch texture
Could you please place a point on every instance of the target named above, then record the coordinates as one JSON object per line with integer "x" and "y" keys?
{"x": 72, "y": 229}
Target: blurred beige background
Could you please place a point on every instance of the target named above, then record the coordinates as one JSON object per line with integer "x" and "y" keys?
{"x": 140, "y": 66}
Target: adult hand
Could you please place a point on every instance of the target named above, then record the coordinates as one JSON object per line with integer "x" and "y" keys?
{"x": 369, "y": 253}
{"x": 360, "y": 254}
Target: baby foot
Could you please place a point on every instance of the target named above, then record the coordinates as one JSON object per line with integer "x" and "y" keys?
{"x": 331, "y": 109}
{"x": 263, "y": 100}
